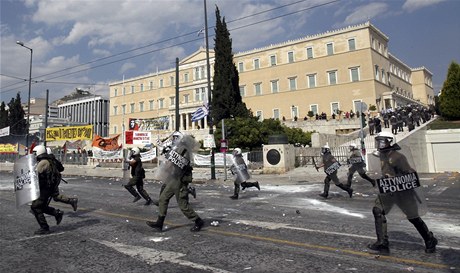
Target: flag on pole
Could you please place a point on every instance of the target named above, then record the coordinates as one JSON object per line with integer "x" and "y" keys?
{"x": 200, "y": 113}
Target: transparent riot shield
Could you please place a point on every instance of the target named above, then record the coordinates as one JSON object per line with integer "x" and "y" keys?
{"x": 26, "y": 186}
{"x": 240, "y": 169}
{"x": 399, "y": 185}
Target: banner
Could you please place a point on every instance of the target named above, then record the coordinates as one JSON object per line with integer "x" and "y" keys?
{"x": 69, "y": 133}
{"x": 8, "y": 148}
{"x": 107, "y": 148}
{"x": 149, "y": 155}
{"x": 138, "y": 137}
{"x": 5, "y": 131}
{"x": 78, "y": 144}
{"x": 149, "y": 124}
{"x": 205, "y": 160}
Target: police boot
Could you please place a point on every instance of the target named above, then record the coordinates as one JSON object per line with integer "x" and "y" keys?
{"x": 245, "y": 185}
{"x": 382, "y": 245}
{"x": 326, "y": 191}
{"x": 74, "y": 203}
{"x": 199, "y": 223}
{"x": 347, "y": 189}
{"x": 133, "y": 193}
{"x": 44, "y": 228}
{"x": 256, "y": 184}
{"x": 372, "y": 181}
{"x": 58, "y": 215}
{"x": 158, "y": 225}
{"x": 236, "y": 191}
{"x": 428, "y": 237}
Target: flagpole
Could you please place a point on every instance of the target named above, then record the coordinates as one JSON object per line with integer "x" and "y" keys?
{"x": 208, "y": 68}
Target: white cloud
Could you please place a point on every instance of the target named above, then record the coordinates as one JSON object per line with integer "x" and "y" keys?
{"x": 127, "y": 66}
{"x": 412, "y": 5}
{"x": 365, "y": 13}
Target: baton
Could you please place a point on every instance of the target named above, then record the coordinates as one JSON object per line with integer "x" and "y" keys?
{"x": 64, "y": 180}
{"x": 314, "y": 163}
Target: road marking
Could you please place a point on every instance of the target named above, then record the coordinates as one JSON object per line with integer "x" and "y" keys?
{"x": 153, "y": 256}
{"x": 437, "y": 190}
{"x": 39, "y": 236}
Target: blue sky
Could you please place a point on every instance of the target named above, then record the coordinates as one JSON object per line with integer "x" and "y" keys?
{"x": 88, "y": 44}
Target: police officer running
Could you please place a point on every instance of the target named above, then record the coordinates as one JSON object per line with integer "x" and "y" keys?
{"x": 137, "y": 179}
{"x": 393, "y": 165}
{"x": 59, "y": 197}
{"x": 240, "y": 170}
{"x": 331, "y": 166}
{"x": 176, "y": 173}
{"x": 47, "y": 179}
{"x": 357, "y": 165}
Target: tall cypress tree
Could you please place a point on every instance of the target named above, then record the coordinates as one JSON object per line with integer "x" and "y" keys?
{"x": 450, "y": 95}
{"x": 3, "y": 115}
{"x": 226, "y": 98}
{"x": 16, "y": 119}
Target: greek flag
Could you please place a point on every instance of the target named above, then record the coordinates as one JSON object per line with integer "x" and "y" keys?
{"x": 200, "y": 113}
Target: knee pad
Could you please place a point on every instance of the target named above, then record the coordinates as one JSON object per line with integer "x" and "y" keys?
{"x": 377, "y": 212}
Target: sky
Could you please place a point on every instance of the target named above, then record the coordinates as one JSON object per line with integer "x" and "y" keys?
{"x": 88, "y": 44}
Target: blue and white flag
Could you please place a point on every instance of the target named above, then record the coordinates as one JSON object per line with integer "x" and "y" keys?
{"x": 200, "y": 113}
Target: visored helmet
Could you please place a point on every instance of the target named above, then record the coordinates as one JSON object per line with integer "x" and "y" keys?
{"x": 135, "y": 151}
{"x": 384, "y": 140}
{"x": 325, "y": 149}
{"x": 236, "y": 151}
{"x": 39, "y": 150}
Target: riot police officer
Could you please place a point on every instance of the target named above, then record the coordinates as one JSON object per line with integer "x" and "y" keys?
{"x": 57, "y": 196}
{"x": 176, "y": 173}
{"x": 394, "y": 164}
{"x": 240, "y": 170}
{"x": 357, "y": 165}
{"x": 137, "y": 179}
{"x": 331, "y": 166}
{"x": 47, "y": 176}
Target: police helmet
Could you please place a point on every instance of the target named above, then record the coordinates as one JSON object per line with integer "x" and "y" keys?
{"x": 39, "y": 150}
{"x": 384, "y": 140}
{"x": 236, "y": 151}
{"x": 135, "y": 151}
{"x": 325, "y": 149}
{"x": 48, "y": 151}
{"x": 353, "y": 146}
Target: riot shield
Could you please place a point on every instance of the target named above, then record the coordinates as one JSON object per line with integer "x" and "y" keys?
{"x": 174, "y": 163}
{"x": 26, "y": 186}
{"x": 400, "y": 191}
{"x": 240, "y": 169}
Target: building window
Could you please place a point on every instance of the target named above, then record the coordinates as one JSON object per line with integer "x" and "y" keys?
{"x": 186, "y": 77}
{"x": 357, "y": 106}
{"x": 335, "y": 108}
{"x": 294, "y": 112}
{"x": 151, "y": 105}
{"x": 383, "y": 76}
{"x": 124, "y": 90}
{"x": 354, "y": 74}
{"x": 332, "y": 77}
{"x": 330, "y": 48}
{"x": 242, "y": 90}
{"x": 115, "y": 92}
{"x": 273, "y": 60}
{"x": 290, "y": 57}
{"x": 161, "y": 83}
{"x": 115, "y": 129}
{"x": 171, "y": 81}
{"x": 151, "y": 85}
{"x": 309, "y": 52}
{"x": 132, "y": 89}
{"x": 186, "y": 98}
{"x": 377, "y": 72}
{"x": 256, "y": 64}
{"x": 314, "y": 108}
{"x": 115, "y": 110}
{"x": 258, "y": 88}
{"x": 131, "y": 106}
{"x": 276, "y": 113}
{"x": 172, "y": 101}
{"x": 259, "y": 115}
{"x": 351, "y": 44}
{"x": 123, "y": 109}
{"x": 311, "y": 80}
{"x": 142, "y": 87}
{"x": 293, "y": 83}
{"x": 274, "y": 86}
{"x": 200, "y": 94}
{"x": 240, "y": 67}
{"x": 161, "y": 103}
{"x": 141, "y": 106}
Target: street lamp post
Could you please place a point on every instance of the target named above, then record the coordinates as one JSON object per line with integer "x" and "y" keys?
{"x": 28, "y": 101}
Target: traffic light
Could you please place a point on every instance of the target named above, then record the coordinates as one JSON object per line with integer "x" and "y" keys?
{"x": 363, "y": 120}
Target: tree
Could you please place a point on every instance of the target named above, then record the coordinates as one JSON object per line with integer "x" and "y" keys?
{"x": 226, "y": 98}
{"x": 450, "y": 94}
{"x": 18, "y": 125}
{"x": 310, "y": 114}
{"x": 3, "y": 115}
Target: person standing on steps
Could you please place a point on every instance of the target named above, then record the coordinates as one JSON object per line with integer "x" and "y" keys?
{"x": 331, "y": 166}
{"x": 395, "y": 166}
{"x": 357, "y": 165}
{"x": 239, "y": 170}
{"x": 137, "y": 178}
{"x": 177, "y": 173}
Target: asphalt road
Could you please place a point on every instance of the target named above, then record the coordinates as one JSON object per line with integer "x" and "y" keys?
{"x": 284, "y": 227}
